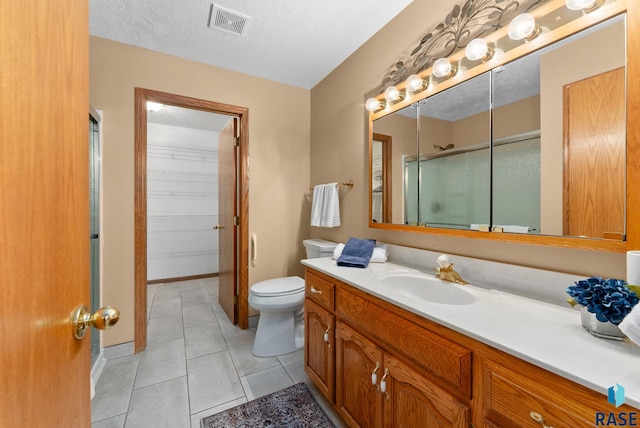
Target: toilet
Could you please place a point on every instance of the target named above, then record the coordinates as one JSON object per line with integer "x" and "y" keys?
{"x": 281, "y": 305}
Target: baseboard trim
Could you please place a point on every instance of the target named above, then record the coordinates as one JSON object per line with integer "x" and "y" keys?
{"x": 182, "y": 278}
{"x": 96, "y": 371}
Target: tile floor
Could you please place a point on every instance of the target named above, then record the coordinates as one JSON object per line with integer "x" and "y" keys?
{"x": 196, "y": 364}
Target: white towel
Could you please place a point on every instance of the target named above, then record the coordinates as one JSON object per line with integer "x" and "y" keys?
{"x": 380, "y": 253}
{"x": 506, "y": 228}
{"x": 325, "y": 207}
{"x": 630, "y": 325}
{"x": 515, "y": 229}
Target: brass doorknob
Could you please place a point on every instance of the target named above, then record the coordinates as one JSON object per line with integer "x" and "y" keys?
{"x": 82, "y": 319}
{"x": 216, "y": 227}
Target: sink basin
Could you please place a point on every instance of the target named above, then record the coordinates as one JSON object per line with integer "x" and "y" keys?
{"x": 427, "y": 288}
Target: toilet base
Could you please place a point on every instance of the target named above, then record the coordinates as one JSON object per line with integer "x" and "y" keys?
{"x": 278, "y": 333}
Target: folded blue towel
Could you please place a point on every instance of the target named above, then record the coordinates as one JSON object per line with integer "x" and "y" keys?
{"x": 357, "y": 253}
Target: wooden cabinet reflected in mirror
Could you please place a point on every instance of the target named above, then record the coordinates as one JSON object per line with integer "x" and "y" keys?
{"x": 594, "y": 170}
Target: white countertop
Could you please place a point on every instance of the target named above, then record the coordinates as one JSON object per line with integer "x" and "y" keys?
{"x": 546, "y": 335}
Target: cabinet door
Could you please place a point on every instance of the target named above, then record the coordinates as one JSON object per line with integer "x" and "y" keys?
{"x": 358, "y": 400}
{"x": 410, "y": 400}
{"x": 319, "y": 357}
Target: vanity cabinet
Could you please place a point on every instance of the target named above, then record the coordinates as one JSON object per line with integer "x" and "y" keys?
{"x": 381, "y": 365}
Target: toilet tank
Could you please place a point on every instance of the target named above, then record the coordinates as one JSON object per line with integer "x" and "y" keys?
{"x": 319, "y": 248}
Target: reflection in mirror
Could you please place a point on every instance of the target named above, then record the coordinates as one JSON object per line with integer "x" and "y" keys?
{"x": 557, "y": 130}
{"x": 455, "y": 132}
{"x": 401, "y": 128}
{"x": 571, "y": 180}
{"x": 381, "y": 178}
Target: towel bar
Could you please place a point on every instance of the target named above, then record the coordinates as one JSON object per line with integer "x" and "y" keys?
{"x": 349, "y": 183}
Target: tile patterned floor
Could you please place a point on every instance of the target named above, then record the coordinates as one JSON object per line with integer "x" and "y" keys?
{"x": 196, "y": 364}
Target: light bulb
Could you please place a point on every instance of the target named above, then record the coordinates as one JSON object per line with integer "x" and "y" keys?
{"x": 373, "y": 104}
{"x": 523, "y": 27}
{"x": 477, "y": 49}
{"x": 153, "y": 106}
{"x": 392, "y": 94}
{"x": 414, "y": 83}
{"x": 580, "y": 4}
{"x": 442, "y": 68}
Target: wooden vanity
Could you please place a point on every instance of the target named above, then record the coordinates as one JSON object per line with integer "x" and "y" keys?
{"x": 381, "y": 365}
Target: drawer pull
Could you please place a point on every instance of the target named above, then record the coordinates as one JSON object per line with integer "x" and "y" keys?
{"x": 383, "y": 382}
{"x": 374, "y": 376}
{"x": 326, "y": 335}
{"x": 314, "y": 290}
{"x": 538, "y": 418}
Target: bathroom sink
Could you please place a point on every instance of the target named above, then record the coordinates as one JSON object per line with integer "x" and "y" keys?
{"x": 427, "y": 288}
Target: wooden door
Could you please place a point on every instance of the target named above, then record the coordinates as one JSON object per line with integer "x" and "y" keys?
{"x": 227, "y": 210}
{"x": 595, "y": 144}
{"x": 357, "y": 399}
{"x": 319, "y": 357}
{"x": 412, "y": 401}
{"x": 44, "y": 212}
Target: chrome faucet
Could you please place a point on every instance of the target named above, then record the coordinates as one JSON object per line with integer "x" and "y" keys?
{"x": 445, "y": 271}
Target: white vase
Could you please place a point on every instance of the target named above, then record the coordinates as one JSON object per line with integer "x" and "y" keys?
{"x": 605, "y": 330}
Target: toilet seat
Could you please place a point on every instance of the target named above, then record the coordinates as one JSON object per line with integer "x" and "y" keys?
{"x": 278, "y": 287}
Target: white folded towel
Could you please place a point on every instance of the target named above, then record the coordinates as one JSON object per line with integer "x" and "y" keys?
{"x": 325, "y": 206}
{"x": 630, "y": 325}
{"x": 380, "y": 253}
{"x": 515, "y": 229}
{"x": 508, "y": 228}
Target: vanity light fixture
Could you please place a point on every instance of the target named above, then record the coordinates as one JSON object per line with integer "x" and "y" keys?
{"x": 586, "y": 5}
{"x": 153, "y": 106}
{"x": 415, "y": 83}
{"x": 478, "y": 49}
{"x": 393, "y": 94}
{"x": 443, "y": 68}
{"x": 524, "y": 27}
{"x": 374, "y": 105}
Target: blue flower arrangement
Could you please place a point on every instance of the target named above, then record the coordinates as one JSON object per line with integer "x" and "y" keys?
{"x": 609, "y": 299}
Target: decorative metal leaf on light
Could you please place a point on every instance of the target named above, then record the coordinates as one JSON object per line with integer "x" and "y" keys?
{"x": 465, "y": 22}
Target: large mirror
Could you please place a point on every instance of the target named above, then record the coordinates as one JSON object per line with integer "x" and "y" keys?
{"x": 534, "y": 146}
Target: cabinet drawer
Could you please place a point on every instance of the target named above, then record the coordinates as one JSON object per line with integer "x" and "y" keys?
{"x": 510, "y": 397}
{"x": 447, "y": 362}
{"x": 320, "y": 289}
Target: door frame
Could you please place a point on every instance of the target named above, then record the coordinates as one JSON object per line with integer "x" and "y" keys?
{"x": 141, "y": 96}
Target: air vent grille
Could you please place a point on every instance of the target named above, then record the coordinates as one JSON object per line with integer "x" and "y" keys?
{"x": 228, "y": 21}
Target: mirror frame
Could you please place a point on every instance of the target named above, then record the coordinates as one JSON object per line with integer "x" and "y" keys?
{"x": 632, "y": 242}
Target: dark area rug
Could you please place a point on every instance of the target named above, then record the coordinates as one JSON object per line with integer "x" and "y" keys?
{"x": 290, "y": 407}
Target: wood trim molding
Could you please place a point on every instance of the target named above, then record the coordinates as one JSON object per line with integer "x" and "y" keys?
{"x": 182, "y": 278}
{"x": 141, "y": 97}
{"x": 633, "y": 125}
{"x": 387, "y": 142}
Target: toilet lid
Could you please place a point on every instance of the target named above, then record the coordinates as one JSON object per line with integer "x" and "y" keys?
{"x": 278, "y": 286}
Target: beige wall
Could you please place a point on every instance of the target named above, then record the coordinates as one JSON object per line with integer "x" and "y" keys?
{"x": 339, "y": 149}
{"x": 279, "y": 127}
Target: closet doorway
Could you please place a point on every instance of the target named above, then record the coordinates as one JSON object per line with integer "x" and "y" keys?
{"x": 230, "y": 223}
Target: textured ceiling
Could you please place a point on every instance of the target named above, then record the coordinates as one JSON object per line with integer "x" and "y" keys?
{"x": 289, "y": 41}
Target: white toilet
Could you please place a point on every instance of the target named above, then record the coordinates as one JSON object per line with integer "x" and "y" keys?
{"x": 281, "y": 305}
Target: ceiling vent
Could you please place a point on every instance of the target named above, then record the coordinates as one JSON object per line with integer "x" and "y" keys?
{"x": 228, "y": 21}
